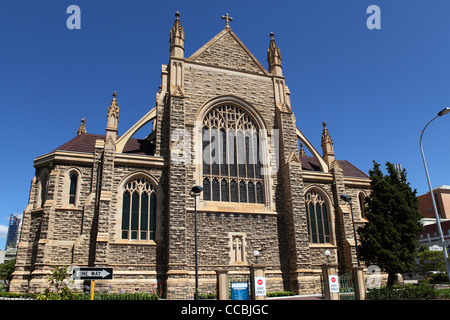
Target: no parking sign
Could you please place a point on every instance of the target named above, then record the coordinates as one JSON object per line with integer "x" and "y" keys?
{"x": 333, "y": 280}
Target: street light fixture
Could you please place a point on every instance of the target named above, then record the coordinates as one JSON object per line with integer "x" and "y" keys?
{"x": 327, "y": 254}
{"x": 438, "y": 222}
{"x": 195, "y": 192}
{"x": 348, "y": 199}
{"x": 256, "y": 254}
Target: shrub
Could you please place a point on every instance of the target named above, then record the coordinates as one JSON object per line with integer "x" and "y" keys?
{"x": 407, "y": 292}
{"x": 441, "y": 277}
{"x": 119, "y": 296}
{"x": 17, "y": 295}
{"x": 280, "y": 294}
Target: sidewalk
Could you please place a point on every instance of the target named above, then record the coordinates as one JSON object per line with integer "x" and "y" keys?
{"x": 303, "y": 297}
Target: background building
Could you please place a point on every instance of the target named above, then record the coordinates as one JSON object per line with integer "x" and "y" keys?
{"x": 430, "y": 236}
{"x": 13, "y": 236}
{"x": 442, "y": 199}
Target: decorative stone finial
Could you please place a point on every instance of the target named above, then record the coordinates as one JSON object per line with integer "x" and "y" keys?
{"x": 82, "y": 127}
{"x": 302, "y": 151}
{"x": 227, "y": 19}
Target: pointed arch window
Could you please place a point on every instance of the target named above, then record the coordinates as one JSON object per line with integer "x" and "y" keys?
{"x": 231, "y": 159}
{"x": 139, "y": 210}
{"x": 73, "y": 188}
{"x": 317, "y": 217}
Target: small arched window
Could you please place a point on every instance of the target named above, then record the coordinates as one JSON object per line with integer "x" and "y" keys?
{"x": 73, "y": 188}
{"x": 317, "y": 217}
{"x": 139, "y": 210}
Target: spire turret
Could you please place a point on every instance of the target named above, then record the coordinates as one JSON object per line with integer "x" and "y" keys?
{"x": 113, "y": 119}
{"x": 274, "y": 57}
{"x": 327, "y": 145}
{"x": 177, "y": 38}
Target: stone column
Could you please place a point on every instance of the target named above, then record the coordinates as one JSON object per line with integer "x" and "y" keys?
{"x": 222, "y": 284}
{"x": 328, "y": 270}
{"x": 256, "y": 270}
{"x": 358, "y": 283}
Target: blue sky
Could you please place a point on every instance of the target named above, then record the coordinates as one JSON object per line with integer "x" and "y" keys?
{"x": 375, "y": 89}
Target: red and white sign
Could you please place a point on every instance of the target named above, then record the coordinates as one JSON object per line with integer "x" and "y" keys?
{"x": 260, "y": 286}
{"x": 334, "y": 283}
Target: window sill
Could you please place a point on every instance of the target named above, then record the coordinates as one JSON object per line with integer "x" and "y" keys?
{"x": 227, "y": 207}
{"x": 134, "y": 242}
{"x": 322, "y": 245}
{"x": 69, "y": 207}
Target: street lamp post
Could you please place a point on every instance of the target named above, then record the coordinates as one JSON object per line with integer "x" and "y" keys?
{"x": 348, "y": 199}
{"x": 438, "y": 222}
{"x": 195, "y": 192}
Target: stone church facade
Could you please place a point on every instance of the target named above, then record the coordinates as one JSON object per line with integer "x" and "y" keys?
{"x": 223, "y": 122}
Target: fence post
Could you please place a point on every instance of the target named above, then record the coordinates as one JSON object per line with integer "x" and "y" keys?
{"x": 256, "y": 270}
{"x": 222, "y": 284}
{"x": 358, "y": 283}
{"x": 328, "y": 270}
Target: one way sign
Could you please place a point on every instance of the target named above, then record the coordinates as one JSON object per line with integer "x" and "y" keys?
{"x": 92, "y": 273}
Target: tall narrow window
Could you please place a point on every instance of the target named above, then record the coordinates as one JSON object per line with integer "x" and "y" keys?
{"x": 73, "y": 188}
{"x": 43, "y": 188}
{"x": 361, "y": 198}
{"x": 139, "y": 210}
{"x": 231, "y": 162}
{"x": 317, "y": 218}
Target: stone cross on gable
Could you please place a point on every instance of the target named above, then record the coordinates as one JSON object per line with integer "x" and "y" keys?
{"x": 227, "y": 18}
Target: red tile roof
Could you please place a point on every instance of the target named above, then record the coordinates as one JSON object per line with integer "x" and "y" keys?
{"x": 349, "y": 170}
{"x": 85, "y": 142}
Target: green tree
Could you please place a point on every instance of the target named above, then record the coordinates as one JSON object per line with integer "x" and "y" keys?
{"x": 431, "y": 260}
{"x": 7, "y": 269}
{"x": 390, "y": 239}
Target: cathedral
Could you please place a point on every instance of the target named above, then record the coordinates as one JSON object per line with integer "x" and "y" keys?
{"x": 223, "y": 122}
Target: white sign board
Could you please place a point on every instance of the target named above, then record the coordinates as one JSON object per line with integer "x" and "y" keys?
{"x": 334, "y": 283}
{"x": 260, "y": 286}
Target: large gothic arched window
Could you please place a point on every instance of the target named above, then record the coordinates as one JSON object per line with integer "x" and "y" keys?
{"x": 317, "y": 217}
{"x": 139, "y": 210}
{"x": 231, "y": 158}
